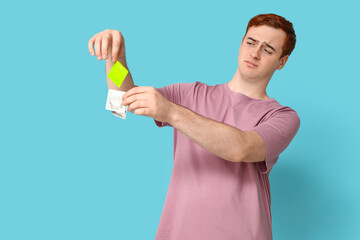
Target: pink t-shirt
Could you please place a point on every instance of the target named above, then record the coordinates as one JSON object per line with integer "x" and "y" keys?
{"x": 210, "y": 198}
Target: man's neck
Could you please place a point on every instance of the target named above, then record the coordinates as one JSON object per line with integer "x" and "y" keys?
{"x": 252, "y": 89}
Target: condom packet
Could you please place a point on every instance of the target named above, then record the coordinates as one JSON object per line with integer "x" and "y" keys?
{"x": 118, "y": 73}
{"x": 113, "y": 103}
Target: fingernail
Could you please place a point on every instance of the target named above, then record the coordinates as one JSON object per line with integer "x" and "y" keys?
{"x": 104, "y": 56}
{"x": 113, "y": 59}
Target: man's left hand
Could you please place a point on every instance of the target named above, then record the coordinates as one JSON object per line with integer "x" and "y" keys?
{"x": 147, "y": 101}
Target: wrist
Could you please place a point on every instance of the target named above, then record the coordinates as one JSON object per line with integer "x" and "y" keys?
{"x": 110, "y": 63}
{"x": 173, "y": 114}
{"x": 123, "y": 61}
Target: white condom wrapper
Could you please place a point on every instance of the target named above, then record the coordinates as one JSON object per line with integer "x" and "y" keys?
{"x": 113, "y": 103}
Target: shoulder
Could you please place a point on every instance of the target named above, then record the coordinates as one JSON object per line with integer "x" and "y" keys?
{"x": 276, "y": 109}
{"x": 284, "y": 120}
{"x": 200, "y": 87}
{"x": 279, "y": 118}
{"x": 285, "y": 112}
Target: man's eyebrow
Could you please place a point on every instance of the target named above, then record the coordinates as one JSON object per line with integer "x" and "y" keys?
{"x": 252, "y": 39}
{"x": 268, "y": 45}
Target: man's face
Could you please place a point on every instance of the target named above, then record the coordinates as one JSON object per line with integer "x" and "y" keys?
{"x": 260, "y": 51}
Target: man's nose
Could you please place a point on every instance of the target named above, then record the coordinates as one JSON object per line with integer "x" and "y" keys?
{"x": 255, "y": 53}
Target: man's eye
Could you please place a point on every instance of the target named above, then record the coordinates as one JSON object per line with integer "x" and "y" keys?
{"x": 269, "y": 52}
{"x": 249, "y": 43}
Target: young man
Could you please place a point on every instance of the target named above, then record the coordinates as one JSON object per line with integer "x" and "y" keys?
{"x": 227, "y": 137}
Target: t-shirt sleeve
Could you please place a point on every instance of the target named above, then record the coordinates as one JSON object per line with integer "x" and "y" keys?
{"x": 175, "y": 93}
{"x": 277, "y": 132}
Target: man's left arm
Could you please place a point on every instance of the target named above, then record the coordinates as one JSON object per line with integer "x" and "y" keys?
{"x": 218, "y": 138}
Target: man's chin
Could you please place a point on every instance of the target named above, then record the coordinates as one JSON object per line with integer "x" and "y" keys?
{"x": 249, "y": 75}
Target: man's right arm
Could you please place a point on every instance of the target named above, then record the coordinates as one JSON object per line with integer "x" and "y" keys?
{"x": 128, "y": 82}
{"x": 110, "y": 45}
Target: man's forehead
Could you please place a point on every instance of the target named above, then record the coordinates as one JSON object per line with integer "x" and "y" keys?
{"x": 266, "y": 34}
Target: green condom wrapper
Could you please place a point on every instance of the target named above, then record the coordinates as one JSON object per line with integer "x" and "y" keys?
{"x": 118, "y": 73}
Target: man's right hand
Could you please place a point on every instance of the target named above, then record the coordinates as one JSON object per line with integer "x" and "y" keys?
{"x": 108, "y": 42}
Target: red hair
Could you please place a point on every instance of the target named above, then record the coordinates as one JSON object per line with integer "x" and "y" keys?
{"x": 276, "y": 21}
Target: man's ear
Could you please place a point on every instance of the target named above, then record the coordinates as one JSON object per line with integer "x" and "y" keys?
{"x": 282, "y": 62}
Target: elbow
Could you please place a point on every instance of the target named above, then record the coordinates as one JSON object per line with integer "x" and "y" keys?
{"x": 239, "y": 156}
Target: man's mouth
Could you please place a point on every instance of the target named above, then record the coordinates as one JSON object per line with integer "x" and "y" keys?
{"x": 251, "y": 64}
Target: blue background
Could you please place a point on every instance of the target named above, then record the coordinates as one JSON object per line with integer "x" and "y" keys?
{"x": 71, "y": 170}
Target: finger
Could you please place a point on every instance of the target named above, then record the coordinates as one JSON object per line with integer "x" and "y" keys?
{"x": 116, "y": 43}
{"x": 91, "y": 46}
{"x": 97, "y": 48}
{"x": 141, "y": 111}
{"x": 137, "y": 104}
{"x": 135, "y": 90}
{"x": 134, "y": 98}
{"x": 104, "y": 46}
